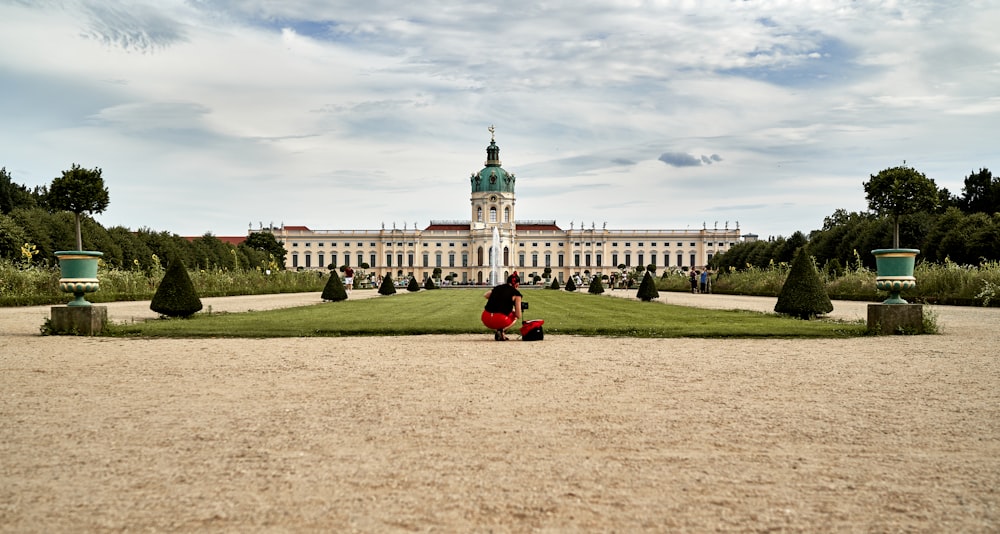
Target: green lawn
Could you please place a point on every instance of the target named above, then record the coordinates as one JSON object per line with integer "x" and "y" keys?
{"x": 456, "y": 311}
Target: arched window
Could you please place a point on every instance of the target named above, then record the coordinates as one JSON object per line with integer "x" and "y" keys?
{"x": 506, "y": 215}
{"x": 479, "y": 214}
{"x": 493, "y": 215}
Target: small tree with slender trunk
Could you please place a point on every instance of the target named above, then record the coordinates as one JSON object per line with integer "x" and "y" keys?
{"x": 80, "y": 191}
{"x": 899, "y": 191}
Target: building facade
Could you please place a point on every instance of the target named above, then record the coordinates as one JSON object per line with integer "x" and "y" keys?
{"x": 463, "y": 249}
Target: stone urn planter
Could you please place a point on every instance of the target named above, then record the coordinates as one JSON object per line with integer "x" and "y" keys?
{"x": 78, "y": 273}
{"x": 895, "y": 272}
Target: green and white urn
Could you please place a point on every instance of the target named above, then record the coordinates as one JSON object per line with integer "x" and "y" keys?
{"x": 895, "y": 272}
{"x": 78, "y": 273}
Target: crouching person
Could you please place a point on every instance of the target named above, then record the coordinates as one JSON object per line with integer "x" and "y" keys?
{"x": 503, "y": 307}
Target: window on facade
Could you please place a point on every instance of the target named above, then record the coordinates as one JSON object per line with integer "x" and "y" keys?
{"x": 576, "y": 260}
{"x": 309, "y": 258}
{"x": 295, "y": 260}
{"x": 709, "y": 256}
{"x": 493, "y": 215}
{"x": 534, "y": 260}
{"x": 520, "y": 259}
{"x": 409, "y": 260}
{"x": 427, "y": 260}
{"x": 641, "y": 258}
{"x": 506, "y": 215}
{"x": 388, "y": 260}
{"x": 548, "y": 260}
{"x": 628, "y": 259}
{"x": 333, "y": 260}
{"x": 692, "y": 260}
{"x": 452, "y": 244}
{"x": 465, "y": 259}
{"x": 680, "y": 259}
{"x": 321, "y": 258}
{"x": 560, "y": 259}
{"x": 599, "y": 262}
{"x": 666, "y": 259}
{"x": 586, "y": 260}
{"x": 320, "y": 244}
{"x": 361, "y": 259}
{"x": 694, "y": 244}
{"x": 399, "y": 260}
{"x": 479, "y": 214}
{"x": 451, "y": 259}
{"x": 614, "y": 260}
{"x": 294, "y": 244}
{"x": 614, "y": 243}
{"x": 437, "y": 259}
{"x": 307, "y": 243}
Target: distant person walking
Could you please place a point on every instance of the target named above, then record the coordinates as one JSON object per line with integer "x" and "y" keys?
{"x": 348, "y": 280}
{"x": 704, "y": 281}
{"x": 693, "y": 275}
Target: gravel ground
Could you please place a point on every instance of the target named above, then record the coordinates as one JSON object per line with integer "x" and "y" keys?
{"x": 462, "y": 434}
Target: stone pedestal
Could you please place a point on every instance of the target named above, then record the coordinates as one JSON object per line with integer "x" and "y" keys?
{"x": 887, "y": 319}
{"x": 79, "y": 320}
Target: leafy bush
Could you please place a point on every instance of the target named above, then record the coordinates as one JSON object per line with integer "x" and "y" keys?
{"x": 334, "y": 290}
{"x": 597, "y": 287}
{"x": 803, "y": 294}
{"x": 176, "y": 296}
{"x": 647, "y": 288}
{"x": 387, "y": 287}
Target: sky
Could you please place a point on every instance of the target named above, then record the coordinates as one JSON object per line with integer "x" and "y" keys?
{"x": 215, "y": 116}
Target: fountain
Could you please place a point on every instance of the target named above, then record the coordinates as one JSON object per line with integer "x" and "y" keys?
{"x": 495, "y": 259}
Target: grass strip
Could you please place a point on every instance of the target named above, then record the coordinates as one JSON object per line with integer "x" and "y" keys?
{"x": 456, "y": 311}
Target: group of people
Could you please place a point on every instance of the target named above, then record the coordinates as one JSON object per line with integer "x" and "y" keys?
{"x": 701, "y": 282}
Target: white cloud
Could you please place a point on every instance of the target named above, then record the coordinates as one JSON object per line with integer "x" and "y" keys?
{"x": 379, "y": 109}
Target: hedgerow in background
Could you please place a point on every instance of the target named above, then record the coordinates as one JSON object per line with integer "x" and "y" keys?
{"x": 413, "y": 286}
{"x": 647, "y": 289}
{"x": 334, "y": 290}
{"x": 597, "y": 287}
{"x": 176, "y": 297}
{"x": 387, "y": 287}
{"x": 803, "y": 294}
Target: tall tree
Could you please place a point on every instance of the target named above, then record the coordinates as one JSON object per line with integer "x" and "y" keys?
{"x": 981, "y": 193}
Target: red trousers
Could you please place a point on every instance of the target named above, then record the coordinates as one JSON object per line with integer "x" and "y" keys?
{"x": 497, "y": 321}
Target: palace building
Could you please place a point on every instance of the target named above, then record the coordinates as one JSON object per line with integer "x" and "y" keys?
{"x": 462, "y": 249}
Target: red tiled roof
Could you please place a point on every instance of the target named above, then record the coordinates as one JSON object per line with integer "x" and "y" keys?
{"x": 444, "y": 227}
{"x": 297, "y": 228}
{"x": 536, "y": 227}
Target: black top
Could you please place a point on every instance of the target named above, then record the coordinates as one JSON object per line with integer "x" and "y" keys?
{"x": 502, "y": 299}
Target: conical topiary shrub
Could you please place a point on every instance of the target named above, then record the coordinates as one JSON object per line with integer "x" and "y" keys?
{"x": 387, "y": 287}
{"x": 429, "y": 283}
{"x": 334, "y": 290}
{"x": 413, "y": 286}
{"x": 555, "y": 284}
{"x": 570, "y": 286}
{"x": 176, "y": 296}
{"x": 596, "y": 286}
{"x": 803, "y": 294}
{"x": 647, "y": 289}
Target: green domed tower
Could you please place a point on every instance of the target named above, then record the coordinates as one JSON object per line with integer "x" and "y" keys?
{"x": 492, "y": 191}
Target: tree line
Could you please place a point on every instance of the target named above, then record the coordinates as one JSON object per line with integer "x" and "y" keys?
{"x": 29, "y": 216}
{"x": 964, "y": 229}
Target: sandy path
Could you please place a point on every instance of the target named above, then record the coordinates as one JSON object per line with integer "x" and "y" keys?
{"x": 459, "y": 434}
